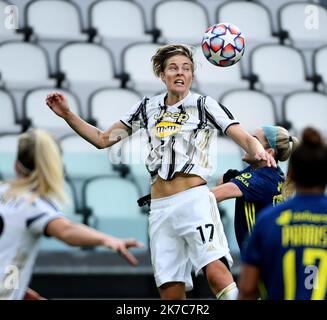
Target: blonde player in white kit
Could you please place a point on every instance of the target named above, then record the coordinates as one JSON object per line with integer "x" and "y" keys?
{"x": 184, "y": 224}
{"x": 28, "y": 210}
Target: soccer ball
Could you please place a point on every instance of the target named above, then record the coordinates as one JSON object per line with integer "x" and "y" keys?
{"x": 223, "y": 44}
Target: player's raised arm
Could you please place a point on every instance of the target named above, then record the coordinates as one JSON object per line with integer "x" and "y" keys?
{"x": 75, "y": 234}
{"x": 57, "y": 102}
{"x": 250, "y": 145}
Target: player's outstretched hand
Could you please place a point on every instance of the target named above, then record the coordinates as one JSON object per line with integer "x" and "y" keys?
{"x": 121, "y": 246}
{"x": 271, "y": 162}
{"x": 57, "y": 102}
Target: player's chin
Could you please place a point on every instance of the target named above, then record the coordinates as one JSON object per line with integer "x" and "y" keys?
{"x": 179, "y": 89}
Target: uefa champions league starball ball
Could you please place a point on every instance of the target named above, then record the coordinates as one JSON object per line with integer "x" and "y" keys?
{"x": 223, "y": 44}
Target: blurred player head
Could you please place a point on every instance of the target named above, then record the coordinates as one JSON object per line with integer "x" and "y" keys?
{"x": 308, "y": 162}
{"x": 38, "y": 166}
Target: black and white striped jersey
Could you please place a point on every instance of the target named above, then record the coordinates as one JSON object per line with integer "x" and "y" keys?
{"x": 21, "y": 226}
{"x": 179, "y": 135}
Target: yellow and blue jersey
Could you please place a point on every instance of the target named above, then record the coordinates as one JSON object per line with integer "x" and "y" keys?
{"x": 289, "y": 247}
{"x": 260, "y": 187}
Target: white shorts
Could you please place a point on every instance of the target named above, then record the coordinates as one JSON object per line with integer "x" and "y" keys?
{"x": 185, "y": 229}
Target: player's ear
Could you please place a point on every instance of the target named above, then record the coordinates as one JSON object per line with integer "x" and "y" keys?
{"x": 271, "y": 151}
{"x": 16, "y": 167}
{"x": 162, "y": 77}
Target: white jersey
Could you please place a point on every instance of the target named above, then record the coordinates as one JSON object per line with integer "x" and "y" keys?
{"x": 179, "y": 135}
{"x": 21, "y": 226}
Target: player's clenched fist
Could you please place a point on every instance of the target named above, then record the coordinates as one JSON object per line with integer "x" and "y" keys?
{"x": 57, "y": 102}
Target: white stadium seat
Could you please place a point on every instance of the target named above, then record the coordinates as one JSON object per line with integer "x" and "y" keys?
{"x": 109, "y": 105}
{"x": 8, "y": 123}
{"x": 281, "y": 69}
{"x": 212, "y": 80}
{"x": 113, "y": 203}
{"x": 40, "y": 115}
{"x": 274, "y": 7}
{"x": 118, "y": 24}
{"x": 137, "y": 63}
{"x": 5, "y": 33}
{"x": 83, "y": 160}
{"x": 51, "y": 31}
{"x": 187, "y": 21}
{"x": 252, "y": 108}
{"x": 320, "y": 64}
{"x": 253, "y": 19}
{"x": 93, "y": 69}
{"x": 304, "y": 109}
{"x": 8, "y": 152}
{"x": 62, "y": 24}
{"x": 298, "y": 19}
{"x": 23, "y": 66}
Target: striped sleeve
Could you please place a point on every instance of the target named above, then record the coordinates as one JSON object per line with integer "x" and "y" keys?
{"x": 218, "y": 115}
{"x": 134, "y": 117}
{"x": 44, "y": 212}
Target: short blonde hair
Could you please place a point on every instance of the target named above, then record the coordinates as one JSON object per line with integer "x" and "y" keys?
{"x": 163, "y": 53}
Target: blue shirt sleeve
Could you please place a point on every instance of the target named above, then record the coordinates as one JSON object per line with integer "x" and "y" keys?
{"x": 252, "y": 186}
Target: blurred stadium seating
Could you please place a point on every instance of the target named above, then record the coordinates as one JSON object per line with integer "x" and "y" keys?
{"x": 98, "y": 53}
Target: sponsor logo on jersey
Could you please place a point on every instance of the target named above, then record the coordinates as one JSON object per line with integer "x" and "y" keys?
{"x": 165, "y": 129}
{"x": 305, "y": 230}
{"x": 181, "y": 117}
{"x": 246, "y": 175}
{"x": 242, "y": 179}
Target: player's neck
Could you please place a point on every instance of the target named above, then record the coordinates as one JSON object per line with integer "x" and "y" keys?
{"x": 172, "y": 98}
{"x": 259, "y": 164}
